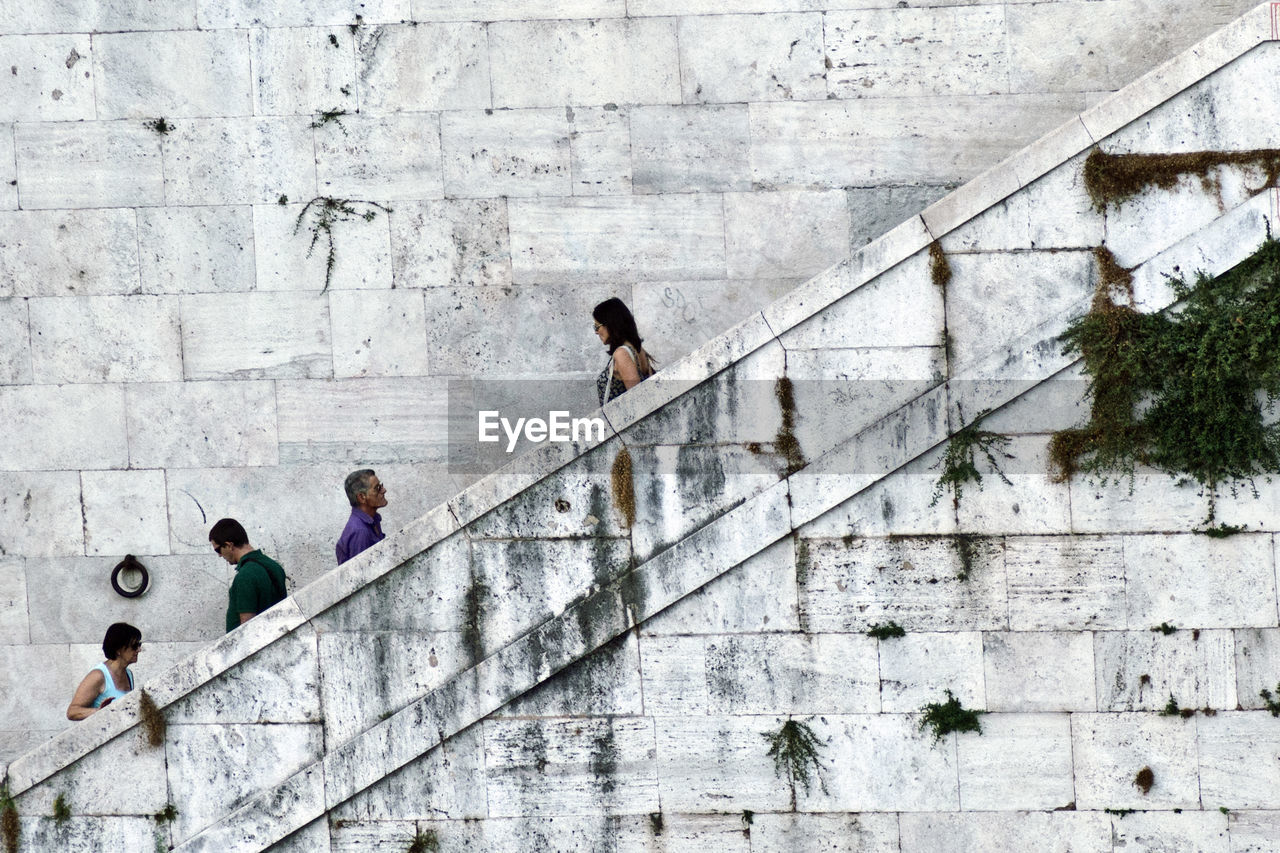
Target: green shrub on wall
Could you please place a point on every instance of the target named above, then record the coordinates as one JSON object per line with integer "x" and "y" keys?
{"x": 1185, "y": 391}
{"x": 796, "y": 753}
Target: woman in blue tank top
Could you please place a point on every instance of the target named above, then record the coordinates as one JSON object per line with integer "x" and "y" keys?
{"x": 110, "y": 679}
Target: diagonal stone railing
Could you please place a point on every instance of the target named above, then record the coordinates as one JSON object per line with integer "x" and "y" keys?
{"x": 638, "y": 572}
{"x": 893, "y": 441}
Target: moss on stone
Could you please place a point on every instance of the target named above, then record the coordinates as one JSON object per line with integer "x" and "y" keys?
{"x": 939, "y": 268}
{"x": 624, "y": 487}
{"x": 61, "y": 809}
{"x": 10, "y": 825}
{"x": 786, "y": 443}
{"x": 966, "y": 545}
{"x": 423, "y": 841}
{"x": 888, "y": 631}
{"x": 153, "y": 721}
{"x": 1115, "y": 178}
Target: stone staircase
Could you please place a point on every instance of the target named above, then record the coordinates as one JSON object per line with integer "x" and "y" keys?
{"x": 732, "y": 450}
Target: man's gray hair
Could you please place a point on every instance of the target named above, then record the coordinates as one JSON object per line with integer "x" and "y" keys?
{"x": 357, "y": 484}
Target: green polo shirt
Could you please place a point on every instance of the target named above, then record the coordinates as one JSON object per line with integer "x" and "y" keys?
{"x": 259, "y": 583}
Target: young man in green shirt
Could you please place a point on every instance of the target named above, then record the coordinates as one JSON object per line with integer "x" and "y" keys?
{"x": 259, "y": 581}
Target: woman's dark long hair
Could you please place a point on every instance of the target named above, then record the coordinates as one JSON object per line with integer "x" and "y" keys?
{"x": 614, "y": 315}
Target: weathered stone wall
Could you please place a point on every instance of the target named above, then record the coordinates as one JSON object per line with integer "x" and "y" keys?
{"x": 521, "y": 669}
{"x": 170, "y": 355}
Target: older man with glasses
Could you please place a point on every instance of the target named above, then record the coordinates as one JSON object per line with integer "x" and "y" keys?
{"x": 364, "y": 528}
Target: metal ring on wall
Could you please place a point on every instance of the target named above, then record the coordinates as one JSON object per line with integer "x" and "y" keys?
{"x": 128, "y": 565}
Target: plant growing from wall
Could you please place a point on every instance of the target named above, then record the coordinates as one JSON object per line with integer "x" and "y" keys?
{"x": 785, "y": 442}
{"x": 949, "y": 716}
{"x": 1171, "y": 709}
{"x": 1222, "y": 531}
{"x": 10, "y": 826}
{"x": 1144, "y": 780}
{"x": 159, "y": 125}
{"x": 888, "y": 631}
{"x": 333, "y": 117}
{"x": 1164, "y": 628}
{"x": 966, "y": 545}
{"x": 1186, "y": 393}
{"x": 423, "y": 841}
{"x": 1273, "y": 703}
{"x": 939, "y": 268}
{"x": 61, "y": 809}
{"x": 153, "y": 722}
{"x": 1115, "y": 178}
{"x": 322, "y": 213}
{"x": 796, "y": 753}
{"x": 1104, "y": 338}
{"x": 168, "y": 814}
{"x": 960, "y": 462}
{"x": 623, "y": 487}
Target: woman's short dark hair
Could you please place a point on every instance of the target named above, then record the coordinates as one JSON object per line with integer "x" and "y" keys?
{"x": 120, "y": 635}
{"x": 228, "y": 530}
{"x": 614, "y": 315}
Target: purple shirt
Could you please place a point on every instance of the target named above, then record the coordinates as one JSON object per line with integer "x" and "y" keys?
{"x": 360, "y": 533}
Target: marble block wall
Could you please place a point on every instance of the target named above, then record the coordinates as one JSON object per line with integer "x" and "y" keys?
{"x": 171, "y": 353}
{"x": 529, "y": 667}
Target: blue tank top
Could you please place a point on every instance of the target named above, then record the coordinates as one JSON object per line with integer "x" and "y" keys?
{"x": 110, "y": 691}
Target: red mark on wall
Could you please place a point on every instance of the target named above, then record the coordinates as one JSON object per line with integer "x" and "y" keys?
{"x": 1275, "y": 21}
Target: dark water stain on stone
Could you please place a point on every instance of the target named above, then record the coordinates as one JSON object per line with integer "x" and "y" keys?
{"x": 701, "y": 475}
{"x": 725, "y": 667}
{"x": 534, "y": 745}
{"x": 473, "y": 618}
{"x": 598, "y": 618}
{"x": 633, "y": 588}
{"x": 606, "y": 564}
{"x": 604, "y": 758}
